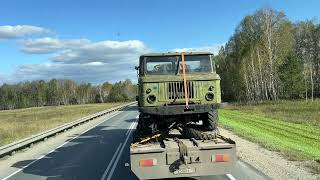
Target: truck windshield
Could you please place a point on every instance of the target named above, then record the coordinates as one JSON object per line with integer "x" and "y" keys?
{"x": 161, "y": 65}
{"x": 197, "y": 64}
{"x": 172, "y": 64}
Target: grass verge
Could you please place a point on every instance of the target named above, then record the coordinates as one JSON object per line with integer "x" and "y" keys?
{"x": 22, "y": 123}
{"x": 291, "y": 128}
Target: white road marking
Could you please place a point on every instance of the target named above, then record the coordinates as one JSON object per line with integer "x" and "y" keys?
{"x": 110, "y": 163}
{"x": 119, "y": 155}
{"x": 231, "y": 177}
{"x": 132, "y": 124}
{"x": 17, "y": 171}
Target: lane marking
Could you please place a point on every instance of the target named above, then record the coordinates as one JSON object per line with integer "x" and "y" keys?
{"x": 17, "y": 171}
{"x": 128, "y": 129}
{"x": 231, "y": 177}
{"x": 132, "y": 124}
{"x": 111, "y": 162}
{"x": 119, "y": 155}
{"x": 118, "y": 158}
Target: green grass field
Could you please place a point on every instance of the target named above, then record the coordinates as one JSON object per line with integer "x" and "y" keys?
{"x": 292, "y": 128}
{"x": 21, "y": 123}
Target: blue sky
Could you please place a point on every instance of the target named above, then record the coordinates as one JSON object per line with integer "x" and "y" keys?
{"x": 136, "y": 26}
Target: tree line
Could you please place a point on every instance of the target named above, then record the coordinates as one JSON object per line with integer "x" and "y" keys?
{"x": 269, "y": 58}
{"x": 63, "y": 92}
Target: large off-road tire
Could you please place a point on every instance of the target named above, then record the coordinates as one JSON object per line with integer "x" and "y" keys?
{"x": 208, "y": 130}
{"x": 211, "y": 123}
{"x": 198, "y": 133}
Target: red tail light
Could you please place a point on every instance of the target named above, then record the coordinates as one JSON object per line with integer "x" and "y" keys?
{"x": 221, "y": 158}
{"x": 148, "y": 162}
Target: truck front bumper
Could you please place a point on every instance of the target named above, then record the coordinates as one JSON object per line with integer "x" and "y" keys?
{"x": 179, "y": 109}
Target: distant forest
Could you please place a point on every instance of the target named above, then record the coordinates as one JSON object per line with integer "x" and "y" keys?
{"x": 63, "y": 92}
{"x": 269, "y": 58}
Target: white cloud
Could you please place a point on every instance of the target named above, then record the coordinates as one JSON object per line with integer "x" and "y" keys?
{"x": 103, "y": 51}
{"x": 84, "y": 51}
{"x": 95, "y": 63}
{"x": 93, "y": 72}
{"x": 84, "y": 60}
{"x": 81, "y": 60}
{"x": 50, "y": 45}
{"x": 11, "y": 32}
{"x": 212, "y": 48}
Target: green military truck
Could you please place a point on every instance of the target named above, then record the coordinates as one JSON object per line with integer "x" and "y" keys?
{"x": 177, "y": 133}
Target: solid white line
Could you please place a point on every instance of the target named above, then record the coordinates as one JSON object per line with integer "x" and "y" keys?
{"x": 231, "y": 177}
{"x": 119, "y": 155}
{"x": 17, "y": 171}
{"x": 110, "y": 163}
{"x": 128, "y": 129}
{"x": 132, "y": 124}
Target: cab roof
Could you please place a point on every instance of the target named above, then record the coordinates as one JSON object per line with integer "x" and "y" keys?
{"x": 177, "y": 54}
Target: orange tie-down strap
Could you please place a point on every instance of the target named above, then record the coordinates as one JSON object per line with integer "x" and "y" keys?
{"x": 184, "y": 79}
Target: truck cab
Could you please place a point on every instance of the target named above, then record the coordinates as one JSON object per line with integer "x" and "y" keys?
{"x": 161, "y": 80}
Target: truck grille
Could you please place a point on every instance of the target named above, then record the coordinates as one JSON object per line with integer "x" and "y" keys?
{"x": 175, "y": 90}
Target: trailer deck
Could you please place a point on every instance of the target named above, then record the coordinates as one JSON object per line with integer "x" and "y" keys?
{"x": 177, "y": 157}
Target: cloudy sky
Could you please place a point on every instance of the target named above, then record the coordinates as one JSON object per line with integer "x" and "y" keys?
{"x": 99, "y": 40}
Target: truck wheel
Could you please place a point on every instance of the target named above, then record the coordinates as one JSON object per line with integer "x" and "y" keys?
{"x": 212, "y": 120}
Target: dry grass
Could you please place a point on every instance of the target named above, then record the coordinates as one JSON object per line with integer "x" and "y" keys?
{"x": 301, "y": 112}
{"x": 22, "y": 123}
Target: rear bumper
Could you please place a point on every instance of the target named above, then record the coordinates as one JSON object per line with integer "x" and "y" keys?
{"x": 179, "y": 109}
{"x": 200, "y": 159}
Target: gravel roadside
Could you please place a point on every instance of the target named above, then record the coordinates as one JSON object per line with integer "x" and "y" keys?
{"x": 270, "y": 163}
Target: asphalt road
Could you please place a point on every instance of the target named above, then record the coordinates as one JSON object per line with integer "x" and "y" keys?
{"x": 99, "y": 152}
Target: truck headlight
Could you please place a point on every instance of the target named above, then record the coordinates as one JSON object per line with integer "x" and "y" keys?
{"x": 148, "y": 91}
{"x": 151, "y": 99}
{"x": 211, "y": 88}
{"x": 209, "y": 96}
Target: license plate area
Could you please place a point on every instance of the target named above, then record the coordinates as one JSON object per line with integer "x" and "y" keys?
{"x": 185, "y": 170}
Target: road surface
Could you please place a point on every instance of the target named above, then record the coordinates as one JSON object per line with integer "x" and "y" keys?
{"x": 98, "y": 150}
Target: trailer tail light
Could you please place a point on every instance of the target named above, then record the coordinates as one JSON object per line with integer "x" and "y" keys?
{"x": 220, "y": 158}
{"x": 148, "y": 162}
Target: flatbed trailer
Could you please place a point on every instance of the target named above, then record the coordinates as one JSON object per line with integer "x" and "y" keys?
{"x": 177, "y": 157}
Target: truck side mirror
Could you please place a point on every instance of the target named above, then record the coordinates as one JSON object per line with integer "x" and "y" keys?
{"x": 137, "y": 69}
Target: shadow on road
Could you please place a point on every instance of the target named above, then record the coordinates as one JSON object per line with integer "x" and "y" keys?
{"x": 130, "y": 108}
{"x": 131, "y": 120}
